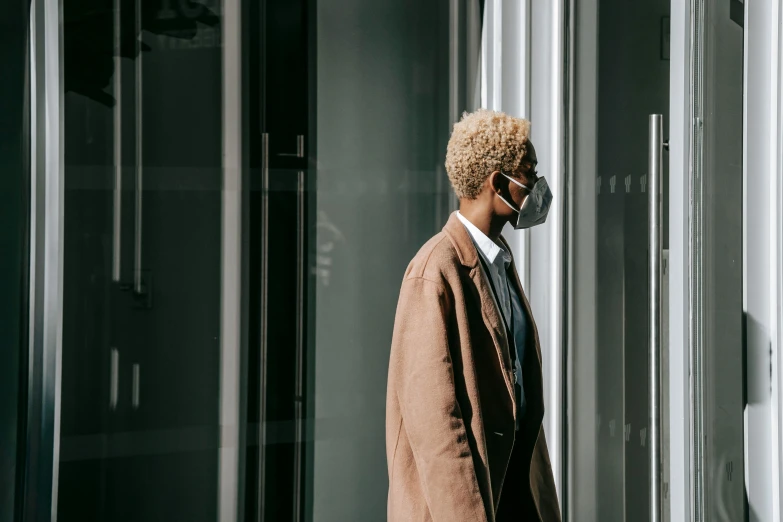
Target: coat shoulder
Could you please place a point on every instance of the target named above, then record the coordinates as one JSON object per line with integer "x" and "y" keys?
{"x": 436, "y": 261}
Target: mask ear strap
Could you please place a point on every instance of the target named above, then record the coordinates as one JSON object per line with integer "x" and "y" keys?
{"x": 517, "y": 182}
{"x": 509, "y": 204}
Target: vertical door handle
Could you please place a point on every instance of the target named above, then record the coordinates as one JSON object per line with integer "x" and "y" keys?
{"x": 300, "y": 342}
{"x": 117, "y": 207}
{"x": 118, "y": 160}
{"x": 655, "y": 168}
{"x": 114, "y": 378}
{"x": 136, "y": 391}
{"x": 137, "y": 240}
{"x": 138, "y": 283}
{"x": 264, "y": 322}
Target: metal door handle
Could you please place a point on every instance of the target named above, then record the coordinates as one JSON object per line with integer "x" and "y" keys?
{"x": 264, "y": 320}
{"x": 116, "y": 224}
{"x": 136, "y": 392}
{"x": 655, "y": 167}
{"x": 114, "y": 378}
{"x": 137, "y": 282}
{"x": 299, "y": 148}
{"x": 117, "y": 208}
{"x": 139, "y": 174}
{"x": 300, "y": 341}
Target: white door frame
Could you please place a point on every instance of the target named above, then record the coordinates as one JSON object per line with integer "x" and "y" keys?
{"x": 762, "y": 299}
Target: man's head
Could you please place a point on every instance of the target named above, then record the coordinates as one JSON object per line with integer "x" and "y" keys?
{"x": 485, "y": 150}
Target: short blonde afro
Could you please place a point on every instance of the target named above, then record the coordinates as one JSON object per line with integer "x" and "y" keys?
{"x": 481, "y": 143}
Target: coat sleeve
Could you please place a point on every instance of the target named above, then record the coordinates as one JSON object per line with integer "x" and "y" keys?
{"x": 430, "y": 411}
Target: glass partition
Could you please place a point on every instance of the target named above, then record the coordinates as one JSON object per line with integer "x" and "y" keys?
{"x": 720, "y": 393}
{"x": 14, "y": 245}
{"x": 245, "y": 183}
{"x": 141, "y": 353}
{"x": 621, "y": 78}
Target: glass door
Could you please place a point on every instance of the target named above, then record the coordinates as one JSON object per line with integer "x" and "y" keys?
{"x": 245, "y": 183}
{"x": 722, "y": 389}
{"x": 145, "y": 341}
{"x": 621, "y": 77}
{"x": 355, "y": 184}
{"x": 14, "y": 243}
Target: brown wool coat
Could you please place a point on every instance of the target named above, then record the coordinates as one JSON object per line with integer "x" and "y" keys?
{"x": 450, "y": 412}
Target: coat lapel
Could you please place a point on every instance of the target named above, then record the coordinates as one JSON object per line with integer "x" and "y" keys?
{"x": 466, "y": 251}
{"x": 536, "y": 369}
{"x": 521, "y": 291}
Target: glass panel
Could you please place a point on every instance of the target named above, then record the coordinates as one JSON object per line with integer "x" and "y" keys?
{"x": 238, "y": 372}
{"x": 719, "y": 260}
{"x": 622, "y": 76}
{"x": 141, "y": 355}
{"x": 14, "y": 245}
{"x": 387, "y": 81}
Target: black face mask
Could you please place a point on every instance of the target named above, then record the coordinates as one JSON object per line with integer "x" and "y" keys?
{"x": 536, "y": 205}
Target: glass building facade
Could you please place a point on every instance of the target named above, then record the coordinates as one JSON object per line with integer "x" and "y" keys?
{"x": 209, "y": 206}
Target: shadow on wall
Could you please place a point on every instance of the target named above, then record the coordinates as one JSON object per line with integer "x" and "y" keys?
{"x": 757, "y": 359}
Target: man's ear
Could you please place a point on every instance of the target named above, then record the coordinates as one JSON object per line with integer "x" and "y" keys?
{"x": 494, "y": 181}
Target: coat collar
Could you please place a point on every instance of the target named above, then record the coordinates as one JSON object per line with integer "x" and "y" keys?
{"x": 468, "y": 257}
{"x": 463, "y": 244}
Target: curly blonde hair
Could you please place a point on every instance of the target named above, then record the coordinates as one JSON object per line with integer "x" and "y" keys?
{"x": 481, "y": 143}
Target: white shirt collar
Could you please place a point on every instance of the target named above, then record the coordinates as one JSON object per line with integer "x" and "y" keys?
{"x": 489, "y": 248}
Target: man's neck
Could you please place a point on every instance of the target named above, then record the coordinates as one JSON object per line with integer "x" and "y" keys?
{"x": 483, "y": 219}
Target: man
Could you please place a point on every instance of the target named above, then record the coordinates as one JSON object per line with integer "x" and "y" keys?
{"x": 464, "y": 405}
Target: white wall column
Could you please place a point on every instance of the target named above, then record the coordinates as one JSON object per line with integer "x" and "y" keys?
{"x": 547, "y": 263}
{"x": 514, "y": 80}
{"x": 530, "y": 85}
{"x": 762, "y": 258}
{"x": 523, "y": 71}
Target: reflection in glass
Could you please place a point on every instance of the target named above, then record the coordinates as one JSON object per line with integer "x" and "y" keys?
{"x": 244, "y": 185}
{"x": 719, "y": 389}
{"x": 622, "y": 76}
{"x": 142, "y": 267}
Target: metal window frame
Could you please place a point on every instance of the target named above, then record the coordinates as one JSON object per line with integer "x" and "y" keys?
{"x": 232, "y": 454}
{"x": 42, "y": 431}
{"x": 679, "y": 424}
{"x": 579, "y": 493}
{"x": 695, "y": 259}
